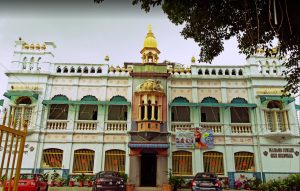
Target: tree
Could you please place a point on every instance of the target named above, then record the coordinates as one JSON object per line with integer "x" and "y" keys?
{"x": 255, "y": 23}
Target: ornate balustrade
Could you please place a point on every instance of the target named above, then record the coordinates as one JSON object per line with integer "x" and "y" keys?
{"x": 57, "y": 124}
{"x": 241, "y": 128}
{"x": 116, "y": 126}
{"x": 217, "y": 128}
{"x": 86, "y": 125}
{"x": 181, "y": 126}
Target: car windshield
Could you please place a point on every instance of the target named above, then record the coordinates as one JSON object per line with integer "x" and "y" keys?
{"x": 26, "y": 176}
{"x": 107, "y": 174}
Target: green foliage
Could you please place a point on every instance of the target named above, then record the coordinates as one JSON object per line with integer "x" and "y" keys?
{"x": 289, "y": 183}
{"x": 81, "y": 178}
{"x": 175, "y": 181}
{"x": 254, "y": 23}
{"x": 124, "y": 176}
{"x": 54, "y": 176}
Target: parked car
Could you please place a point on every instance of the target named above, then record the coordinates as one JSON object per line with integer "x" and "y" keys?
{"x": 205, "y": 182}
{"x": 108, "y": 180}
{"x": 29, "y": 182}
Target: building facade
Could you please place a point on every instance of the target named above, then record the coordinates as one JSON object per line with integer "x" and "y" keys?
{"x": 146, "y": 118}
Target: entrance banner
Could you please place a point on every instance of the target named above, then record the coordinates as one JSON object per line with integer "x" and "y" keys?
{"x": 185, "y": 139}
{"x": 203, "y": 138}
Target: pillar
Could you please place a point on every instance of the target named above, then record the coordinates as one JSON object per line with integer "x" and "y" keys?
{"x": 275, "y": 121}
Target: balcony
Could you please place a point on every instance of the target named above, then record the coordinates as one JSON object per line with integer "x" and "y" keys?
{"x": 217, "y": 128}
{"x": 86, "y": 125}
{"x": 181, "y": 126}
{"x": 115, "y": 126}
{"x": 57, "y": 124}
{"x": 241, "y": 128}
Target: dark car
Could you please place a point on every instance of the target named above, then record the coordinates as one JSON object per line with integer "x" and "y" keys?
{"x": 29, "y": 182}
{"x": 205, "y": 182}
{"x": 108, "y": 181}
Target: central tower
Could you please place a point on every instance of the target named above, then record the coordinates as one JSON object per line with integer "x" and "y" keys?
{"x": 150, "y": 52}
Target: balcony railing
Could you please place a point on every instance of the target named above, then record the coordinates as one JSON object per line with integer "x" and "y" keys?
{"x": 241, "y": 128}
{"x": 116, "y": 126}
{"x": 57, "y": 124}
{"x": 181, "y": 126}
{"x": 86, "y": 125}
{"x": 217, "y": 128}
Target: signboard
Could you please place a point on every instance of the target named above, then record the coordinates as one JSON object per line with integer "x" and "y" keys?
{"x": 203, "y": 138}
{"x": 199, "y": 138}
{"x": 185, "y": 139}
{"x": 281, "y": 152}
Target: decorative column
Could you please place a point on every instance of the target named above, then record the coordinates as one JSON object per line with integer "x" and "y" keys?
{"x": 275, "y": 121}
{"x": 153, "y": 110}
{"x": 286, "y": 122}
{"x": 159, "y": 113}
{"x": 139, "y": 113}
{"x": 146, "y": 112}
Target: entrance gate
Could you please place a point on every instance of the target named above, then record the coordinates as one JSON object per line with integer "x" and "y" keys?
{"x": 12, "y": 141}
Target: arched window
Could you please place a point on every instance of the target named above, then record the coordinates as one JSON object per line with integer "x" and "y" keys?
{"x": 23, "y": 108}
{"x": 180, "y": 113}
{"x": 276, "y": 118}
{"x": 210, "y": 114}
{"x": 87, "y": 111}
{"x": 52, "y": 158}
{"x": 23, "y": 100}
{"x": 213, "y": 162}
{"x": 65, "y": 70}
{"x": 220, "y": 72}
{"x": 244, "y": 161}
{"x": 117, "y": 112}
{"x": 226, "y": 72}
{"x": 182, "y": 163}
{"x": 115, "y": 160}
{"x": 239, "y": 114}
{"x": 72, "y": 70}
{"x": 206, "y": 72}
{"x": 240, "y": 72}
{"x": 213, "y": 72}
{"x": 92, "y": 70}
{"x": 59, "y": 111}
{"x": 149, "y": 110}
{"x": 83, "y": 161}
{"x": 58, "y": 70}
{"x": 85, "y": 70}
{"x": 79, "y": 70}
{"x": 233, "y": 72}
{"x": 200, "y": 72}
{"x": 24, "y": 63}
{"x": 99, "y": 70}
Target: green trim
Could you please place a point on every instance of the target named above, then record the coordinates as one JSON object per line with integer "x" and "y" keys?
{"x": 180, "y": 100}
{"x": 297, "y": 107}
{"x": 89, "y": 98}
{"x": 48, "y": 102}
{"x": 1, "y": 102}
{"x": 118, "y": 103}
{"x": 252, "y": 105}
{"x": 203, "y": 104}
{"x": 9, "y": 94}
{"x": 239, "y": 100}
{"x": 209, "y": 100}
{"x": 286, "y": 100}
{"x": 118, "y": 99}
{"x": 188, "y": 104}
{"x": 60, "y": 98}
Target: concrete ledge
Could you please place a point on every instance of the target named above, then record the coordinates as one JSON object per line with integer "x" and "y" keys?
{"x": 70, "y": 188}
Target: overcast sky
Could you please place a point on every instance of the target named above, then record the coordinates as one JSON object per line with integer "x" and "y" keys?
{"x": 86, "y": 32}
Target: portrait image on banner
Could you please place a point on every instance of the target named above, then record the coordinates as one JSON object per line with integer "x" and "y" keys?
{"x": 203, "y": 138}
{"x": 185, "y": 139}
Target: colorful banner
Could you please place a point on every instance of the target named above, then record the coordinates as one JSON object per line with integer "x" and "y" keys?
{"x": 185, "y": 139}
{"x": 203, "y": 138}
{"x": 200, "y": 138}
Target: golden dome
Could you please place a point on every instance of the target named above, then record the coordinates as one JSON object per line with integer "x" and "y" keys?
{"x": 32, "y": 46}
{"x": 150, "y": 85}
{"x": 193, "y": 60}
{"x": 150, "y": 41}
{"x": 25, "y": 45}
{"x": 38, "y": 46}
{"x": 44, "y": 47}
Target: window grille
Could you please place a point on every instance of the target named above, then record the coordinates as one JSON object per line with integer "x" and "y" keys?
{"x": 213, "y": 162}
{"x": 52, "y": 158}
{"x": 244, "y": 161}
{"x": 83, "y": 161}
{"x": 115, "y": 160}
{"x": 182, "y": 163}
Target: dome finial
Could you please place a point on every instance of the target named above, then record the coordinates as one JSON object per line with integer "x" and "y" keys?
{"x": 149, "y": 28}
{"x": 193, "y": 60}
